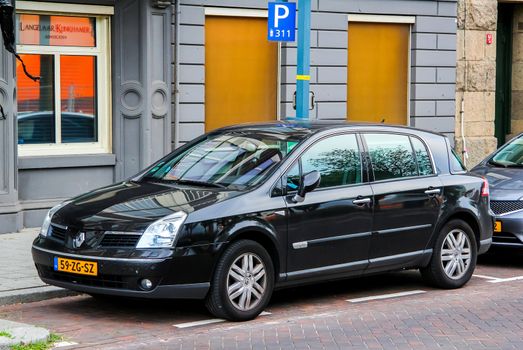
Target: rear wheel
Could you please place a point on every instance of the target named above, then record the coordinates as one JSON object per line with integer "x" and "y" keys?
{"x": 454, "y": 256}
{"x": 243, "y": 282}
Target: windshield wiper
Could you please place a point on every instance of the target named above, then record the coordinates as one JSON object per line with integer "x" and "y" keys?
{"x": 493, "y": 162}
{"x": 199, "y": 183}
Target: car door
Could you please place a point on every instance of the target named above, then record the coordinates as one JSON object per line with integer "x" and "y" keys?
{"x": 329, "y": 232}
{"x": 407, "y": 198}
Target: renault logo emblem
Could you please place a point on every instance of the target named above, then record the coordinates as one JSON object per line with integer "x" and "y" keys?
{"x": 79, "y": 240}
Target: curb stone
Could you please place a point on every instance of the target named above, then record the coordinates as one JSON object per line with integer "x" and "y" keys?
{"x": 33, "y": 294}
{"x": 22, "y": 333}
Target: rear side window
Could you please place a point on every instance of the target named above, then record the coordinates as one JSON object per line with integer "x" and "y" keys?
{"x": 391, "y": 156}
{"x": 337, "y": 158}
{"x": 422, "y": 157}
{"x": 456, "y": 166}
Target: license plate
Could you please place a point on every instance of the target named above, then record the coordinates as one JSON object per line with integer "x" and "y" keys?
{"x": 76, "y": 266}
{"x": 497, "y": 226}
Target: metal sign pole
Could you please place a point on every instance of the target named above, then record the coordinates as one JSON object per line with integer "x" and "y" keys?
{"x": 303, "y": 70}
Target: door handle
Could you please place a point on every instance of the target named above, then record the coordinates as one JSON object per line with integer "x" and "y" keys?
{"x": 362, "y": 201}
{"x": 432, "y": 191}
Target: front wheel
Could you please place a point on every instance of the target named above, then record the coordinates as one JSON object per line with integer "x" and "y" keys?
{"x": 454, "y": 256}
{"x": 243, "y": 282}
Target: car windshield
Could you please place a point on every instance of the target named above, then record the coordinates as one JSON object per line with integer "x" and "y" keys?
{"x": 235, "y": 159}
{"x": 509, "y": 156}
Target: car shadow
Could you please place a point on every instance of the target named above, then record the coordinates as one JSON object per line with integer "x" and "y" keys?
{"x": 502, "y": 257}
{"x": 179, "y": 311}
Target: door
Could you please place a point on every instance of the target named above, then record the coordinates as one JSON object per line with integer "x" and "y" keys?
{"x": 241, "y": 69}
{"x": 407, "y": 198}
{"x": 503, "y": 72}
{"x": 378, "y": 61}
{"x": 329, "y": 232}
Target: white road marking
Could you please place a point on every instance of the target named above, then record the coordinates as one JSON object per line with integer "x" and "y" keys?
{"x": 386, "y": 296}
{"x": 199, "y": 323}
{"x": 485, "y": 277}
{"x": 209, "y": 321}
{"x": 501, "y": 280}
{"x": 62, "y": 344}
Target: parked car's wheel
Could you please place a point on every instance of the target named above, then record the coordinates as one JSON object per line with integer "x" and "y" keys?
{"x": 454, "y": 257}
{"x": 243, "y": 282}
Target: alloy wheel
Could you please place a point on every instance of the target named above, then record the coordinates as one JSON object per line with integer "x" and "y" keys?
{"x": 246, "y": 281}
{"x": 456, "y": 254}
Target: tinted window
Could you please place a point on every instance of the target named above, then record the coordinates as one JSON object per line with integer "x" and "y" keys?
{"x": 337, "y": 159}
{"x": 422, "y": 157}
{"x": 391, "y": 156}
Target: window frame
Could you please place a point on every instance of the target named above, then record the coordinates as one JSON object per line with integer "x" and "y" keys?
{"x": 369, "y": 159}
{"x": 364, "y": 166}
{"x": 102, "y": 54}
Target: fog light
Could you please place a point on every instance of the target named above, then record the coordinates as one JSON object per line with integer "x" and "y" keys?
{"x": 146, "y": 284}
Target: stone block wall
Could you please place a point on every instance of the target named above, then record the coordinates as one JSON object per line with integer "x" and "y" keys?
{"x": 476, "y": 78}
{"x": 517, "y": 73}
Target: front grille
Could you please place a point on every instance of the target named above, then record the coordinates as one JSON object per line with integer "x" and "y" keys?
{"x": 106, "y": 281}
{"x": 503, "y": 207}
{"x": 119, "y": 240}
{"x": 58, "y": 232}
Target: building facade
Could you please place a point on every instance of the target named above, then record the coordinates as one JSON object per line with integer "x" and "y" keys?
{"x": 124, "y": 82}
{"x": 489, "y": 90}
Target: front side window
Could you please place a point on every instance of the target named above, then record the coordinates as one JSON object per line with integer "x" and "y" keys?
{"x": 67, "y": 109}
{"x": 337, "y": 158}
{"x": 237, "y": 160}
{"x": 391, "y": 156}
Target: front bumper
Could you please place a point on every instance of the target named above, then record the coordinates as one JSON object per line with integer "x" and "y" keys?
{"x": 511, "y": 234}
{"x": 184, "y": 273}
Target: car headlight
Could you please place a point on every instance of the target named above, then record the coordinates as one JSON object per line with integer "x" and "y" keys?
{"x": 47, "y": 220}
{"x": 162, "y": 233}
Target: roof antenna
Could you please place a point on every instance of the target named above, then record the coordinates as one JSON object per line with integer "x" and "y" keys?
{"x": 383, "y": 121}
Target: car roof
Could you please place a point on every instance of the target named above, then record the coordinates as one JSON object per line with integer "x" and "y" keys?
{"x": 304, "y": 127}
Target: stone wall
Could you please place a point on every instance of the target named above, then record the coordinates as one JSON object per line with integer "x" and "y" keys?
{"x": 476, "y": 78}
{"x": 517, "y": 73}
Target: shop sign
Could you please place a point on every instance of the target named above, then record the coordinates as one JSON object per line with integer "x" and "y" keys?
{"x": 55, "y": 30}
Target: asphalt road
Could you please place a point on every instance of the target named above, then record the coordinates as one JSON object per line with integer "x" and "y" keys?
{"x": 391, "y": 311}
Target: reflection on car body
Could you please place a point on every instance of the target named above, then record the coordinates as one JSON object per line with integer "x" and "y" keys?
{"x": 39, "y": 127}
{"x": 243, "y": 210}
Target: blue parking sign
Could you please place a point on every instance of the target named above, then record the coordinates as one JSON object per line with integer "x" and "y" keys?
{"x": 282, "y": 21}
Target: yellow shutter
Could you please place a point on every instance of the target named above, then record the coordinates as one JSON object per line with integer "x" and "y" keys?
{"x": 378, "y": 72}
{"x": 241, "y": 68}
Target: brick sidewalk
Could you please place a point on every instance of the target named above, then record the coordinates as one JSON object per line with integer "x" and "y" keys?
{"x": 19, "y": 281}
{"x": 482, "y": 315}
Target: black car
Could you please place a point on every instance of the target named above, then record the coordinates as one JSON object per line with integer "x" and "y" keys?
{"x": 243, "y": 210}
{"x": 504, "y": 171}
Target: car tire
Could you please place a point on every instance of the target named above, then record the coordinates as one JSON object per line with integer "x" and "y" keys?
{"x": 454, "y": 256}
{"x": 240, "y": 291}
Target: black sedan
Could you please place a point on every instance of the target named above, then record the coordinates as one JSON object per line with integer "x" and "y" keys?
{"x": 243, "y": 210}
{"x": 504, "y": 171}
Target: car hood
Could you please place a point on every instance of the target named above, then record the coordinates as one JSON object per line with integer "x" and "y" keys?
{"x": 132, "y": 206}
{"x": 504, "y": 183}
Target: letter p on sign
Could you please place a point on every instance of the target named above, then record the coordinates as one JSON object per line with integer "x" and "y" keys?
{"x": 282, "y": 12}
{"x": 281, "y": 21}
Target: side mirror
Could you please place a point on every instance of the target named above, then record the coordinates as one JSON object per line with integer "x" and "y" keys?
{"x": 309, "y": 182}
